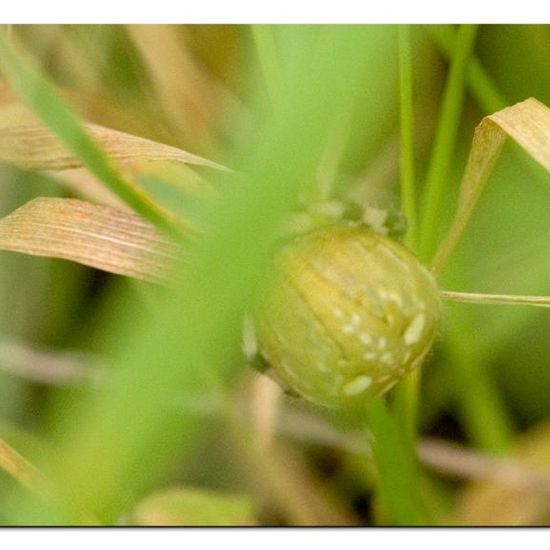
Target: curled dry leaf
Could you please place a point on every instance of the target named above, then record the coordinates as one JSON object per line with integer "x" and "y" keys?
{"x": 528, "y": 124}
{"x": 96, "y": 236}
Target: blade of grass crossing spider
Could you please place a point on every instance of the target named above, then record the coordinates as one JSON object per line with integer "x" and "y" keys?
{"x": 527, "y": 123}
{"x": 445, "y": 140}
{"x": 40, "y": 95}
{"x": 192, "y": 338}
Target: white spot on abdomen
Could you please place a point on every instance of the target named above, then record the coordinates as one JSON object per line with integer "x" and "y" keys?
{"x": 414, "y": 330}
{"x": 365, "y": 338}
{"x": 348, "y": 329}
{"x": 358, "y": 385}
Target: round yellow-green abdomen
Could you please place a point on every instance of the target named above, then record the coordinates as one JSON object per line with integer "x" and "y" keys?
{"x": 347, "y": 315}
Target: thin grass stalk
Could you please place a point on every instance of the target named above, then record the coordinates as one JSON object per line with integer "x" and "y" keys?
{"x": 407, "y": 394}
{"x": 480, "y": 84}
{"x": 407, "y": 175}
{"x": 499, "y": 299}
{"x": 445, "y": 141}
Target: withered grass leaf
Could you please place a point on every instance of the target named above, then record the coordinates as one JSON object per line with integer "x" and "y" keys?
{"x": 528, "y": 124}
{"x": 97, "y": 236}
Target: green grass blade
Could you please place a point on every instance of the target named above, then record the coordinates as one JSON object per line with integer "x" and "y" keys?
{"x": 406, "y": 401}
{"x": 408, "y": 193}
{"x": 34, "y": 89}
{"x": 482, "y": 87}
{"x": 445, "y": 141}
{"x": 397, "y": 468}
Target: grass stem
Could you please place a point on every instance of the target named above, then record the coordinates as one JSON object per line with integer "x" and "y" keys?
{"x": 480, "y": 84}
{"x": 406, "y": 398}
{"x": 397, "y": 467}
{"x": 407, "y": 174}
{"x": 501, "y": 299}
{"x": 445, "y": 141}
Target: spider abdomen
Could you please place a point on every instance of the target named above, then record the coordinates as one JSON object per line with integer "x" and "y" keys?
{"x": 348, "y": 314}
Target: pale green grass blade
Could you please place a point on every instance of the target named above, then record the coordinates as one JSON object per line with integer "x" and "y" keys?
{"x": 128, "y": 434}
{"x": 445, "y": 141}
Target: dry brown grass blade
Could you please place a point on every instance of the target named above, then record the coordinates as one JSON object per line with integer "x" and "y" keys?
{"x": 19, "y": 467}
{"x": 179, "y": 83}
{"x": 96, "y": 236}
{"x": 31, "y": 146}
{"x": 194, "y": 101}
{"x": 527, "y": 123}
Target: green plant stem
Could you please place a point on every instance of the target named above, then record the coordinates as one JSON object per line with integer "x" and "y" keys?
{"x": 34, "y": 89}
{"x": 408, "y": 198}
{"x": 397, "y": 467}
{"x": 406, "y": 398}
{"x": 501, "y": 299}
{"x": 480, "y": 84}
{"x": 445, "y": 141}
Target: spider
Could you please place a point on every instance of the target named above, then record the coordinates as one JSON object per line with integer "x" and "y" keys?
{"x": 352, "y": 311}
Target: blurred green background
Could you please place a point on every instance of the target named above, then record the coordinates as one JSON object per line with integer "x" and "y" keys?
{"x": 289, "y": 107}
